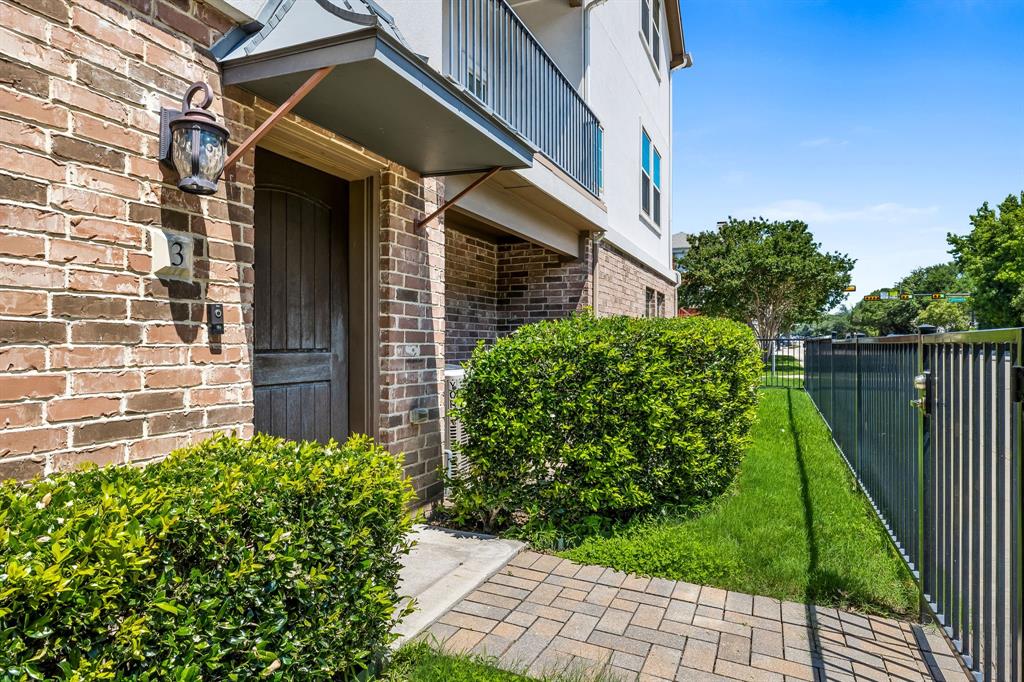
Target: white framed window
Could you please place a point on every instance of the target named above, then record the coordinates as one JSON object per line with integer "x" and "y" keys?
{"x": 650, "y": 29}
{"x": 650, "y": 306}
{"x": 650, "y": 179}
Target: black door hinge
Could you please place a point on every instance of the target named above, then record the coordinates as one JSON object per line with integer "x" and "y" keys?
{"x": 1018, "y": 384}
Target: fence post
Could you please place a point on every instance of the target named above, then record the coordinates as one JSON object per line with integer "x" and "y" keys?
{"x": 856, "y": 406}
{"x": 922, "y": 447}
{"x": 1017, "y": 572}
{"x": 832, "y": 382}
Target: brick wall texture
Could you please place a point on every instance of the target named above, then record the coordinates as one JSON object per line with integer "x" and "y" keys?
{"x": 471, "y": 291}
{"x": 99, "y": 361}
{"x": 623, "y": 282}
{"x": 495, "y": 286}
{"x": 412, "y": 324}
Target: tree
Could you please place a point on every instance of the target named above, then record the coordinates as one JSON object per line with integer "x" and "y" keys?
{"x": 770, "y": 275}
{"x": 992, "y": 255}
{"x": 950, "y": 317}
{"x": 878, "y": 318}
{"x": 836, "y": 322}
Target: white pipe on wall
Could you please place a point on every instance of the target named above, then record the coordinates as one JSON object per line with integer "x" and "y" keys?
{"x": 586, "y": 47}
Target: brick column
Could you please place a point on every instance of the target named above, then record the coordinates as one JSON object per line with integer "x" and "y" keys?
{"x": 412, "y": 324}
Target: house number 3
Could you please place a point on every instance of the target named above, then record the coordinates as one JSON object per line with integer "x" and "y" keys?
{"x": 172, "y": 255}
{"x": 177, "y": 254}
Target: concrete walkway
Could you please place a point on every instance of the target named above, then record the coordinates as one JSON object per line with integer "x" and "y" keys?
{"x": 545, "y": 615}
{"x": 443, "y": 567}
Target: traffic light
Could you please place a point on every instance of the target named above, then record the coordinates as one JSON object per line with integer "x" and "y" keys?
{"x": 872, "y": 297}
{"x": 905, "y": 297}
{"x": 850, "y": 289}
{"x": 936, "y": 297}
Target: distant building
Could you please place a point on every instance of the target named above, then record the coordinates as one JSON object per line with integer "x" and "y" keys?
{"x": 680, "y": 247}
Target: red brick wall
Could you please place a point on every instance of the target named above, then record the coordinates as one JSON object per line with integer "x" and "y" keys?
{"x": 622, "y": 284}
{"x": 471, "y": 289}
{"x": 495, "y": 286}
{"x": 100, "y": 361}
{"x": 412, "y": 324}
{"x": 537, "y": 284}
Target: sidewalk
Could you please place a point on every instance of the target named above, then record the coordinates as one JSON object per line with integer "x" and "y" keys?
{"x": 543, "y": 614}
{"x": 443, "y": 567}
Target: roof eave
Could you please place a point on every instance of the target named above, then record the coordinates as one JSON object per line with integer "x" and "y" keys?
{"x": 681, "y": 59}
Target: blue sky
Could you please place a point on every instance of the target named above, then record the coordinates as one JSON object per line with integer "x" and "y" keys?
{"x": 883, "y": 125}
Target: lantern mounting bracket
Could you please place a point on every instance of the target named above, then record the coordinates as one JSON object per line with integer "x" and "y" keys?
{"x": 166, "y": 116}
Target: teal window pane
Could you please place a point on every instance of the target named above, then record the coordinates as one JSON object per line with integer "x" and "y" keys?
{"x": 645, "y": 153}
{"x": 657, "y": 169}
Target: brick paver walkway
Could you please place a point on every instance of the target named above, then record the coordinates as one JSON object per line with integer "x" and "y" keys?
{"x": 544, "y": 615}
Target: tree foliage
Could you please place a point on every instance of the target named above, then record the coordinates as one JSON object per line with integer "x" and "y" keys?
{"x": 836, "y": 322}
{"x": 950, "y": 317}
{"x": 992, "y": 255}
{"x": 902, "y": 317}
{"x": 771, "y": 275}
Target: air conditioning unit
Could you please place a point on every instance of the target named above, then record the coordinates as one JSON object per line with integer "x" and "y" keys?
{"x": 455, "y": 463}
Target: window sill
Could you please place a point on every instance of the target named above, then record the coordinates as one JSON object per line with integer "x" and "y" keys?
{"x": 650, "y": 224}
{"x": 650, "y": 55}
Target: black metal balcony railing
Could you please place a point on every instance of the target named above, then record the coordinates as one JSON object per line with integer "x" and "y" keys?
{"x": 493, "y": 55}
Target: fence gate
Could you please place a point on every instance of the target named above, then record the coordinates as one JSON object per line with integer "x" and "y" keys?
{"x": 931, "y": 427}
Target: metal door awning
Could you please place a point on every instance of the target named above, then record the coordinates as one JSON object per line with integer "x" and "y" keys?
{"x": 379, "y": 93}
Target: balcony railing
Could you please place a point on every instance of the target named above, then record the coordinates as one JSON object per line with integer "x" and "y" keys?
{"x": 493, "y": 55}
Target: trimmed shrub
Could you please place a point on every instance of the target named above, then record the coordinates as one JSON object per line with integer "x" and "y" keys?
{"x": 576, "y": 423}
{"x": 231, "y": 560}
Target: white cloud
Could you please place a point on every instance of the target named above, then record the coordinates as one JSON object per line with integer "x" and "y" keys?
{"x": 813, "y": 212}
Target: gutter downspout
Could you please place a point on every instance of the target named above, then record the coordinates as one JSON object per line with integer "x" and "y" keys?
{"x": 595, "y": 249}
{"x": 595, "y": 237}
{"x": 586, "y": 47}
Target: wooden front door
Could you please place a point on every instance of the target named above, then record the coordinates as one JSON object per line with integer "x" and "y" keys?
{"x": 300, "y": 368}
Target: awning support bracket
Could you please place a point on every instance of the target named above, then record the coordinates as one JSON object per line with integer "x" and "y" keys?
{"x": 278, "y": 114}
{"x": 448, "y": 204}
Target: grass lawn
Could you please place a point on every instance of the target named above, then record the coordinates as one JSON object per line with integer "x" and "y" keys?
{"x": 785, "y": 363}
{"x": 419, "y": 662}
{"x": 793, "y": 526}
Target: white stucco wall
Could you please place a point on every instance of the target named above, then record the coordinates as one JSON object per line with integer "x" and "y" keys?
{"x": 422, "y": 25}
{"x": 559, "y": 28}
{"x": 627, "y": 93}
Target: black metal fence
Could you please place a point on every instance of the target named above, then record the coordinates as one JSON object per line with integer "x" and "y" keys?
{"x": 783, "y": 359}
{"x": 931, "y": 427}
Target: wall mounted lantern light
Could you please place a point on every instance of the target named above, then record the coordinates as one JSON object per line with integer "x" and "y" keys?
{"x": 194, "y": 143}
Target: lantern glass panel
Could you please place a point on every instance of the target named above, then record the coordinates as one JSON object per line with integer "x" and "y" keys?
{"x": 181, "y": 150}
{"x": 212, "y": 150}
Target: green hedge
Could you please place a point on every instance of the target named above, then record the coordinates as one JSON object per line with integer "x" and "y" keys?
{"x": 580, "y": 422}
{"x": 232, "y": 560}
